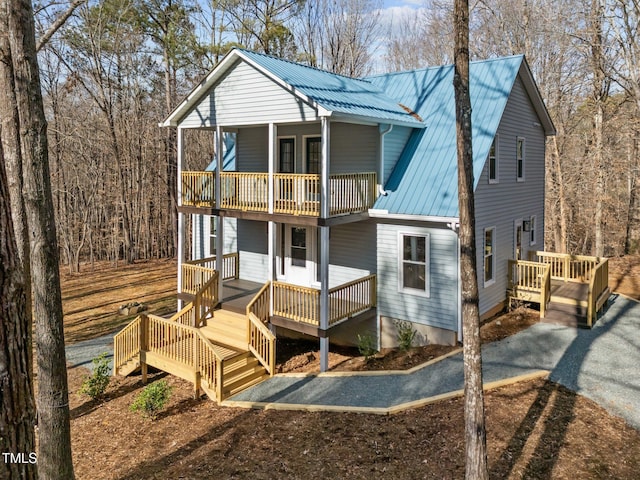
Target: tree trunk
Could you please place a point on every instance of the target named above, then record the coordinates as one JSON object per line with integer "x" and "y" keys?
{"x": 17, "y": 409}
{"x": 632, "y": 237}
{"x": 475, "y": 433}
{"x": 54, "y": 455}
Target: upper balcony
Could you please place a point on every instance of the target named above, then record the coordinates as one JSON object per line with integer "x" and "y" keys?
{"x": 293, "y": 194}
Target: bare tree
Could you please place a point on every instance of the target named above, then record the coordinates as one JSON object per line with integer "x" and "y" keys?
{"x": 339, "y": 35}
{"x": 54, "y": 450}
{"x": 475, "y": 432}
{"x": 17, "y": 408}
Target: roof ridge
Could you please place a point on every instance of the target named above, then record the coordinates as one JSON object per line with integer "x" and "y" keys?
{"x": 449, "y": 65}
{"x": 297, "y": 64}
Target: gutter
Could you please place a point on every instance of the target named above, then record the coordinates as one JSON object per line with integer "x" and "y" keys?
{"x": 377, "y": 213}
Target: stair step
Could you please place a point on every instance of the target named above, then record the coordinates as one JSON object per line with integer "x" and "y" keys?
{"x": 129, "y": 367}
{"x": 239, "y": 361}
{"x": 241, "y": 375}
{"x": 244, "y": 383}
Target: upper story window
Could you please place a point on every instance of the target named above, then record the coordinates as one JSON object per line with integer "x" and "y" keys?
{"x": 520, "y": 159}
{"x": 287, "y": 155}
{"x": 414, "y": 263}
{"x": 493, "y": 161}
{"x": 313, "y": 154}
{"x": 489, "y": 256}
{"x": 213, "y": 235}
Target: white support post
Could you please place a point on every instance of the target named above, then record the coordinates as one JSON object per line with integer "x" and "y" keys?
{"x": 324, "y": 244}
{"x": 325, "y": 194}
{"x": 273, "y": 132}
{"x": 181, "y": 222}
{"x": 219, "y": 219}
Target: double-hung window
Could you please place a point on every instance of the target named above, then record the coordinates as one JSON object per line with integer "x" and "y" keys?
{"x": 213, "y": 234}
{"x": 520, "y": 157}
{"x": 414, "y": 263}
{"x": 489, "y": 256}
{"x": 493, "y": 161}
{"x": 532, "y": 230}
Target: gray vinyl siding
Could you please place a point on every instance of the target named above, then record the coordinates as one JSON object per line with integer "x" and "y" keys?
{"x": 252, "y": 149}
{"x": 499, "y": 205}
{"x": 354, "y": 148}
{"x": 352, "y": 252}
{"x": 245, "y": 96}
{"x": 200, "y": 239}
{"x": 394, "y": 143}
{"x": 440, "y": 309}
{"x": 254, "y": 250}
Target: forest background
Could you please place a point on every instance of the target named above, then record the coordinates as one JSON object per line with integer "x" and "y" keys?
{"x": 116, "y": 68}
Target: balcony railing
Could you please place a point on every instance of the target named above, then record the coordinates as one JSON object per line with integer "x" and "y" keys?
{"x": 293, "y": 194}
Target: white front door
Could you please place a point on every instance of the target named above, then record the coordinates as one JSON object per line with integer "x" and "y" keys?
{"x": 299, "y": 267}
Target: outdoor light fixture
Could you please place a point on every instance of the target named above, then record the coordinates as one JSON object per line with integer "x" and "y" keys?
{"x": 526, "y": 225}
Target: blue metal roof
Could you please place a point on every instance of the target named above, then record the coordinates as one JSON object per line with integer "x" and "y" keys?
{"x": 335, "y": 93}
{"x": 429, "y": 162}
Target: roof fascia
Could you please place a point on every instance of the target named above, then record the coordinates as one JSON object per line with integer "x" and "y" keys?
{"x": 536, "y": 99}
{"x": 366, "y": 120}
{"x": 374, "y": 213}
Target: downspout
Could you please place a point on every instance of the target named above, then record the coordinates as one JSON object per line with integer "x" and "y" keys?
{"x": 454, "y": 228}
{"x": 383, "y": 133}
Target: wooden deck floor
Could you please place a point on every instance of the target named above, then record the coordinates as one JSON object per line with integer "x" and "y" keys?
{"x": 569, "y": 290}
{"x": 236, "y": 294}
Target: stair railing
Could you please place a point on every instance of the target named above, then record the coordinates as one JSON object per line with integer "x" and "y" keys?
{"x": 262, "y": 343}
{"x": 598, "y": 285}
{"x": 126, "y": 344}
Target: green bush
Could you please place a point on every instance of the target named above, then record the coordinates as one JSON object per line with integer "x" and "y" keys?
{"x": 96, "y": 384}
{"x": 367, "y": 346}
{"x": 406, "y": 335}
{"x": 152, "y": 399}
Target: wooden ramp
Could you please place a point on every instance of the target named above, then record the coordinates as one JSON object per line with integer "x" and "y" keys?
{"x": 568, "y": 304}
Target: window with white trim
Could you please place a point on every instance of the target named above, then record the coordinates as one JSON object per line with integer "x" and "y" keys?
{"x": 493, "y": 161}
{"x": 532, "y": 230}
{"x": 520, "y": 158}
{"x": 489, "y": 256}
{"x": 414, "y": 263}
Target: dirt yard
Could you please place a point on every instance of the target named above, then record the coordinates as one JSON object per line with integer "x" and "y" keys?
{"x": 535, "y": 429}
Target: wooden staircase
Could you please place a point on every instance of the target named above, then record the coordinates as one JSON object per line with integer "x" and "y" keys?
{"x": 220, "y": 352}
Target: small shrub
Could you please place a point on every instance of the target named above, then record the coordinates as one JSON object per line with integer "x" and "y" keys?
{"x": 152, "y": 399}
{"x": 406, "y": 335}
{"x": 367, "y": 346}
{"x": 96, "y": 384}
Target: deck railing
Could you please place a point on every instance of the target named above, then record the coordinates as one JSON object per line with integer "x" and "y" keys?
{"x": 262, "y": 342}
{"x": 293, "y": 194}
{"x": 245, "y": 191}
{"x": 576, "y": 268}
{"x": 598, "y": 290}
{"x": 171, "y": 340}
{"x": 126, "y": 344}
{"x": 198, "y": 189}
{"x": 302, "y": 304}
{"x": 530, "y": 281}
{"x": 186, "y": 316}
{"x": 208, "y": 364}
{"x": 206, "y": 300}
{"x": 351, "y": 298}
{"x": 230, "y": 267}
{"x": 194, "y": 277}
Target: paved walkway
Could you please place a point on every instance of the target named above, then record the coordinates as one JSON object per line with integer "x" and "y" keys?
{"x": 601, "y": 364}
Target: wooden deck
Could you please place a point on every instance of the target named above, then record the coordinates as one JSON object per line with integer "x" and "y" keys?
{"x": 570, "y": 289}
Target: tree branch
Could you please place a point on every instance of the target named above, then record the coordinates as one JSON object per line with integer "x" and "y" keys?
{"x": 42, "y": 41}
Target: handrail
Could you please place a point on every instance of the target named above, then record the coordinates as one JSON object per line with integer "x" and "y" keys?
{"x": 352, "y": 297}
{"x": 171, "y": 340}
{"x": 126, "y": 344}
{"x": 245, "y": 191}
{"x": 300, "y": 304}
{"x": 194, "y": 277}
{"x": 567, "y": 267}
{"x": 208, "y": 364}
{"x": 262, "y": 343}
{"x": 206, "y": 299}
{"x": 259, "y": 304}
{"x": 230, "y": 264}
{"x": 598, "y": 285}
{"x": 528, "y": 275}
{"x": 545, "y": 291}
{"x": 184, "y": 316}
{"x": 198, "y": 189}
{"x": 294, "y": 193}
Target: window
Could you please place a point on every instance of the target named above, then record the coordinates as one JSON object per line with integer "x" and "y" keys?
{"x": 520, "y": 155}
{"x": 493, "y": 161}
{"x": 489, "y": 256}
{"x": 532, "y": 230}
{"x": 314, "y": 154}
{"x": 414, "y": 263}
{"x": 299, "y": 246}
{"x": 287, "y": 155}
{"x": 212, "y": 235}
